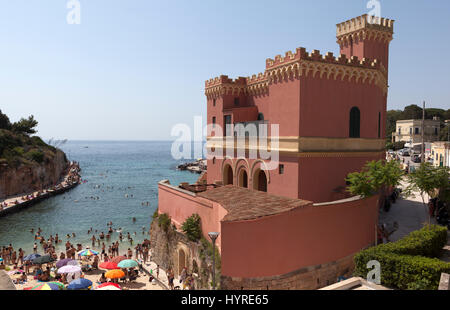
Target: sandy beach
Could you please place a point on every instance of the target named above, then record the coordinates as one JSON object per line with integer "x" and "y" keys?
{"x": 141, "y": 283}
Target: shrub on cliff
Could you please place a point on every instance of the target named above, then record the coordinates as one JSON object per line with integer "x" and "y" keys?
{"x": 25, "y": 126}
{"x": 192, "y": 227}
{"x": 164, "y": 221}
{"x": 4, "y": 121}
{"x": 36, "y": 155}
{"x": 18, "y": 148}
{"x": 409, "y": 263}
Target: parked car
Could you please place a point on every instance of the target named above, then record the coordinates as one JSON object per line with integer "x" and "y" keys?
{"x": 404, "y": 152}
{"x": 416, "y": 158}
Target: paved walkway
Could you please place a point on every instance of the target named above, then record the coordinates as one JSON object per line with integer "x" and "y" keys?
{"x": 151, "y": 266}
{"x": 18, "y": 200}
{"x": 409, "y": 213}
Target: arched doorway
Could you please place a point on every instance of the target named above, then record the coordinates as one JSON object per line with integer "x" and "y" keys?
{"x": 260, "y": 180}
{"x": 181, "y": 260}
{"x": 227, "y": 175}
{"x": 243, "y": 178}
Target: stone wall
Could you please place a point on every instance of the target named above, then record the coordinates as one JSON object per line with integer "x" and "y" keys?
{"x": 308, "y": 278}
{"x": 169, "y": 248}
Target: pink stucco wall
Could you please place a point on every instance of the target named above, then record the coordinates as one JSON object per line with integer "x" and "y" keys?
{"x": 286, "y": 242}
{"x": 180, "y": 205}
{"x": 309, "y": 178}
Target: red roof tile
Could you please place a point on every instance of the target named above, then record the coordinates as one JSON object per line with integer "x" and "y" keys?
{"x": 245, "y": 204}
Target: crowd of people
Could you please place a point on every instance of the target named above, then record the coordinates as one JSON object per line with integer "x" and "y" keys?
{"x": 107, "y": 252}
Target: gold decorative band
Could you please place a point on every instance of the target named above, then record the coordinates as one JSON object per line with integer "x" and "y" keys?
{"x": 304, "y": 145}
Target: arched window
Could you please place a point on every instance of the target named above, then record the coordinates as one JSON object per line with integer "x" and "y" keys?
{"x": 354, "y": 123}
{"x": 243, "y": 178}
{"x": 260, "y": 117}
{"x": 227, "y": 175}
{"x": 260, "y": 181}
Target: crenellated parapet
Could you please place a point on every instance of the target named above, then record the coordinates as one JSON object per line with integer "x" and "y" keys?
{"x": 302, "y": 63}
{"x": 365, "y": 27}
{"x": 223, "y": 85}
{"x": 258, "y": 84}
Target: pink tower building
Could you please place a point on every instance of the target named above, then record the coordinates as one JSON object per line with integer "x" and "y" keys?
{"x": 292, "y": 225}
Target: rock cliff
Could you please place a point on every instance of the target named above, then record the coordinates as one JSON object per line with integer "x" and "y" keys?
{"x": 29, "y": 177}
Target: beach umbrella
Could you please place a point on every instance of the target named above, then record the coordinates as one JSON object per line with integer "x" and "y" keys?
{"x": 109, "y": 287}
{"x": 61, "y": 285}
{"x": 69, "y": 269}
{"x": 127, "y": 263}
{"x": 115, "y": 274}
{"x": 42, "y": 260}
{"x": 108, "y": 265}
{"x": 31, "y": 257}
{"x": 79, "y": 284}
{"x": 63, "y": 262}
{"x": 118, "y": 259}
{"x": 88, "y": 252}
{"x": 72, "y": 263}
{"x": 51, "y": 286}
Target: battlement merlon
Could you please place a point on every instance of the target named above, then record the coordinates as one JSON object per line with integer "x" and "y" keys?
{"x": 225, "y": 80}
{"x": 365, "y": 22}
{"x": 315, "y": 56}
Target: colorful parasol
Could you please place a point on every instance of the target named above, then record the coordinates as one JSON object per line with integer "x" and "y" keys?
{"x": 66, "y": 261}
{"x": 115, "y": 274}
{"x": 80, "y": 284}
{"x": 88, "y": 252}
{"x": 127, "y": 263}
{"x": 108, "y": 287}
{"x": 69, "y": 269}
{"x": 31, "y": 257}
{"x": 108, "y": 265}
{"x": 50, "y": 286}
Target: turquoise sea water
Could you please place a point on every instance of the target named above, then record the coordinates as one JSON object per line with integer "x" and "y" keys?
{"x": 113, "y": 170}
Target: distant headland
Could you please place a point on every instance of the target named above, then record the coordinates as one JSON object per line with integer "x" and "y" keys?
{"x": 28, "y": 165}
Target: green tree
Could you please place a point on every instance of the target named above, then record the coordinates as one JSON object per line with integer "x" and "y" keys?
{"x": 444, "y": 135}
{"x": 4, "y": 121}
{"x": 25, "y": 126}
{"x": 412, "y": 112}
{"x": 192, "y": 227}
{"x": 432, "y": 112}
{"x": 392, "y": 117}
{"x": 429, "y": 181}
{"x": 375, "y": 177}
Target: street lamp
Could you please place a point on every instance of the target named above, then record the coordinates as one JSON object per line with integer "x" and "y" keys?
{"x": 213, "y": 236}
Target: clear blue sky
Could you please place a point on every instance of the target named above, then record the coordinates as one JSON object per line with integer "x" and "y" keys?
{"x": 134, "y": 68}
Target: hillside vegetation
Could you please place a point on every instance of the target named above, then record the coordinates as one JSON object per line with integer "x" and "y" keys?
{"x": 18, "y": 147}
